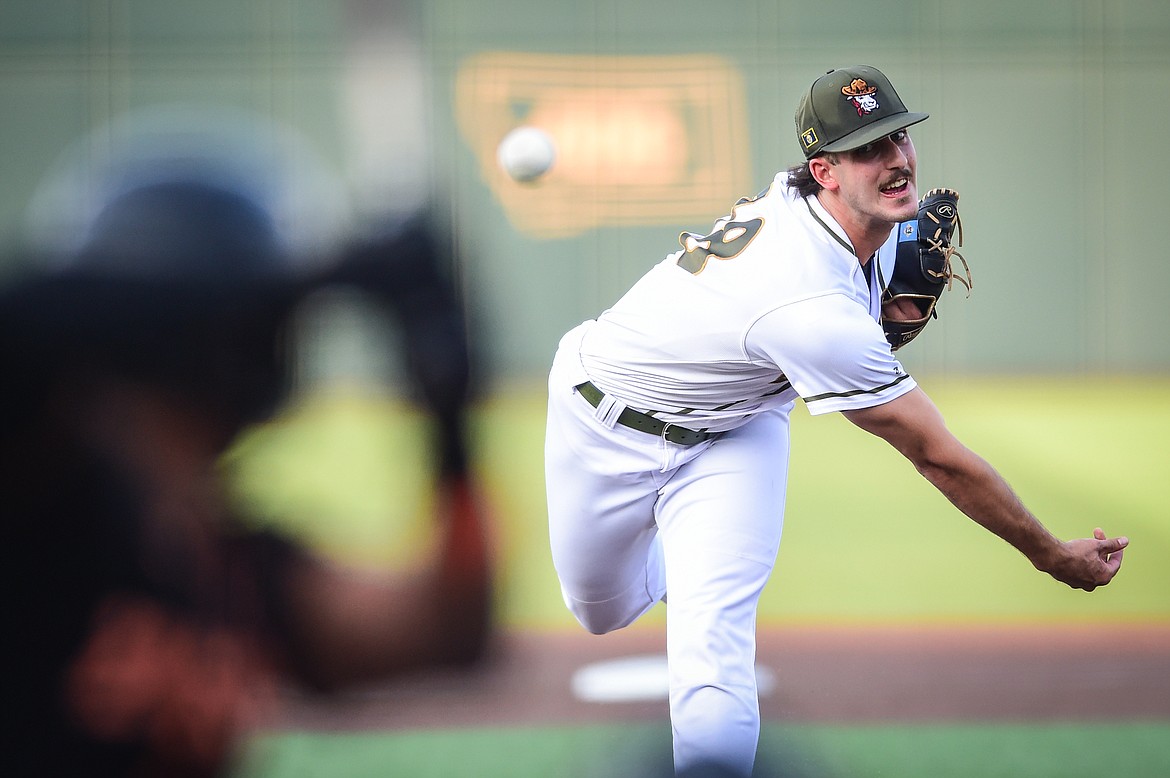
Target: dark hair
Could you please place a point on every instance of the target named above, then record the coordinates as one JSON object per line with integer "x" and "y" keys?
{"x": 801, "y": 179}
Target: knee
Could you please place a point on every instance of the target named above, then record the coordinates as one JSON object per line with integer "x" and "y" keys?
{"x": 597, "y": 621}
{"x": 596, "y": 629}
{"x": 600, "y": 618}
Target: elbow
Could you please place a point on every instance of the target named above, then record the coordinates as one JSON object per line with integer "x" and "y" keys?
{"x": 950, "y": 468}
{"x": 932, "y": 463}
{"x": 929, "y": 467}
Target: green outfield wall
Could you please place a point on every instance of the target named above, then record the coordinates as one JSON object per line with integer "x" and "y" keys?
{"x": 1048, "y": 116}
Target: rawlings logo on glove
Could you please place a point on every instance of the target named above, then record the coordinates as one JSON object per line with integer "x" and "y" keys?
{"x": 923, "y": 267}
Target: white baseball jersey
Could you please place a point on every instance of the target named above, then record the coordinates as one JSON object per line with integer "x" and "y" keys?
{"x": 770, "y": 306}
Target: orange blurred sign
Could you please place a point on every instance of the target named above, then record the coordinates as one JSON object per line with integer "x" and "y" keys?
{"x": 640, "y": 140}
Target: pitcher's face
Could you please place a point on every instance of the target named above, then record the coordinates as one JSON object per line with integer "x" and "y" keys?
{"x": 878, "y": 180}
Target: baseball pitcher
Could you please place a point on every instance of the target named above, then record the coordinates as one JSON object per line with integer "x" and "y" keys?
{"x": 668, "y": 418}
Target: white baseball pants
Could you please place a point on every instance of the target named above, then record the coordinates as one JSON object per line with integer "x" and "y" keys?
{"x": 633, "y": 517}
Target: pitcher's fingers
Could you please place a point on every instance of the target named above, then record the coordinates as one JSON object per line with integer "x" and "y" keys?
{"x": 1115, "y": 545}
{"x": 1114, "y": 559}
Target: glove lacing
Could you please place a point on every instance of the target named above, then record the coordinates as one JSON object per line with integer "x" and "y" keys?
{"x": 934, "y": 245}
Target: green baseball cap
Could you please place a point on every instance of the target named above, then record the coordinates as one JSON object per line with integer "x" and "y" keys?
{"x": 850, "y": 107}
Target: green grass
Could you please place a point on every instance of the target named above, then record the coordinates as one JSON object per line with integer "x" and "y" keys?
{"x": 866, "y": 541}
{"x": 866, "y": 538}
{"x": 641, "y": 750}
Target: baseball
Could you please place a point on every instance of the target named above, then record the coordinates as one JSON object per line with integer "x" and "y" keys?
{"x": 526, "y": 153}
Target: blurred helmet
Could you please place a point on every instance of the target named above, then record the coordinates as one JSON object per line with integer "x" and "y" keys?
{"x": 170, "y": 246}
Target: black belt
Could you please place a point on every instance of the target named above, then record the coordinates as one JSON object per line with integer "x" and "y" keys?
{"x": 643, "y": 422}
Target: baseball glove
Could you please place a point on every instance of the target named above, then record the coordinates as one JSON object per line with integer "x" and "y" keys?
{"x": 923, "y": 267}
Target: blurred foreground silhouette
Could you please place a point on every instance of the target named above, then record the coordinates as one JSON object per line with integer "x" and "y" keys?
{"x": 145, "y": 328}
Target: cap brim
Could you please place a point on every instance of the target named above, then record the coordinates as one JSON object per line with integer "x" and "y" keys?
{"x": 876, "y": 131}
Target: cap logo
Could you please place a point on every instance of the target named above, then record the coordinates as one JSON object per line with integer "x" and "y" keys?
{"x": 861, "y": 94}
{"x": 809, "y": 138}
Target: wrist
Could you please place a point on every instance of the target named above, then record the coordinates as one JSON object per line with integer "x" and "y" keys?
{"x": 1046, "y": 554}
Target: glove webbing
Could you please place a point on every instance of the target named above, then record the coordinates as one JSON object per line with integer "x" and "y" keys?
{"x": 934, "y": 245}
